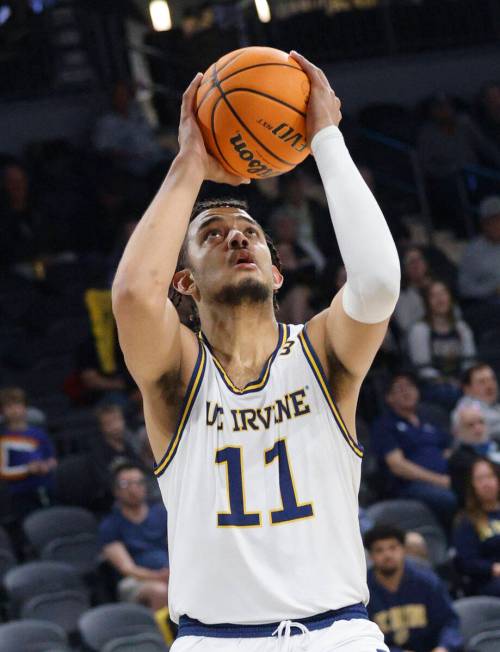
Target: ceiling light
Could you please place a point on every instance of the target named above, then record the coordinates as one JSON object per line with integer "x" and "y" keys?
{"x": 160, "y": 15}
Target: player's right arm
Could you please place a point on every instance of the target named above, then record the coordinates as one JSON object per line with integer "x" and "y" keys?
{"x": 160, "y": 353}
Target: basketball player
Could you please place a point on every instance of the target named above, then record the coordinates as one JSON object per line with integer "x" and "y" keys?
{"x": 252, "y": 423}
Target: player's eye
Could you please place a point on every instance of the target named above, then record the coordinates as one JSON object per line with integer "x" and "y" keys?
{"x": 251, "y": 230}
{"x": 212, "y": 233}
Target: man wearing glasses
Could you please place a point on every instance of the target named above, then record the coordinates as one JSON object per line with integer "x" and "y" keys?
{"x": 133, "y": 540}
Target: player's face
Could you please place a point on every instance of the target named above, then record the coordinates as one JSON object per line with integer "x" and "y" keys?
{"x": 387, "y": 556}
{"x": 130, "y": 488}
{"x": 229, "y": 259}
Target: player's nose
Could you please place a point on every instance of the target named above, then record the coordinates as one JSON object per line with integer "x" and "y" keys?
{"x": 237, "y": 240}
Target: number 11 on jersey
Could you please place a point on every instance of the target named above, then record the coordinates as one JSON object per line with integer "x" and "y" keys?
{"x": 291, "y": 510}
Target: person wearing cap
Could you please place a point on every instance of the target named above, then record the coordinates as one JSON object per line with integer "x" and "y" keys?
{"x": 479, "y": 269}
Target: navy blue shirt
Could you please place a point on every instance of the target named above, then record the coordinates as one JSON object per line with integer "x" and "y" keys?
{"x": 478, "y": 549}
{"x": 146, "y": 542}
{"x": 418, "y": 616}
{"x": 423, "y": 444}
{"x": 17, "y": 449}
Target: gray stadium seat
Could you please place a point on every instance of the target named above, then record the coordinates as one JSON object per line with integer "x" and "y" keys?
{"x": 62, "y": 608}
{"x": 7, "y": 561}
{"x": 26, "y": 581}
{"x": 485, "y": 642}
{"x": 146, "y": 642}
{"x": 32, "y": 636}
{"x": 109, "y": 622}
{"x": 45, "y": 525}
{"x": 80, "y": 550}
{"x": 477, "y": 614}
{"x": 436, "y": 543}
{"x": 407, "y": 514}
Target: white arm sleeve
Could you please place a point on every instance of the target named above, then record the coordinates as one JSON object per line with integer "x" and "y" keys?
{"x": 365, "y": 242}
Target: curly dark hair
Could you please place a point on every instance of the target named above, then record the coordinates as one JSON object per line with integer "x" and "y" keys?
{"x": 200, "y": 207}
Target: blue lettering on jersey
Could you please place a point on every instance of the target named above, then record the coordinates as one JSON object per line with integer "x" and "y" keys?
{"x": 290, "y": 406}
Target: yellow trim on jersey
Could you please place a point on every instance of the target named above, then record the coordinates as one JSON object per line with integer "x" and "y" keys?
{"x": 191, "y": 393}
{"x": 261, "y": 382}
{"x": 320, "y": 377}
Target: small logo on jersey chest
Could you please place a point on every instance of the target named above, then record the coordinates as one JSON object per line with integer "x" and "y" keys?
{"x": 290, "y": 406}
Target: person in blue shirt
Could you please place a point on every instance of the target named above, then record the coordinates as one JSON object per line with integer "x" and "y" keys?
{"x": 27, "y": 457}
{"x": 477, "y": 534}
{"x": 408, "y": 601}
{"x": 133, "y": 539}
{"x": 413, "y": 450}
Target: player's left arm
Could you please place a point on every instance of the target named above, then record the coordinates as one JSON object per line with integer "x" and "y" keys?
{"x": 348, "y": 334}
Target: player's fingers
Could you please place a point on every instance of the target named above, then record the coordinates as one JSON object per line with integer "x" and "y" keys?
{"x": 309, "y": 68}
{"x": 189, "y": 95}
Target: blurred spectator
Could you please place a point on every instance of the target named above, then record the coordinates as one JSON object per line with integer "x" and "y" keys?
{"x": 21, "y": 223}
{"x": 479, "y": 270}
{"x": 407, "y": 601}
{"x": 124, "y": 135}
{"x": 414, "y": 451}
{"x": 315, "y": 231}
{"x": 441, "y": 346}
{"x": 471, "y": 441}
{"x": 416, "y": 277}
{"x": 27, "y": 456}
{"x": 480, "y": 387}
{"x": 300, "y": 269}
{"x": 477, "y": 534}
{"x": 447, "y": 142}
{"x": 134, "y": 540}
{"x": 111, "y": 445}
{"x": 489, "y": 116}
{"x": 34, "y": 417}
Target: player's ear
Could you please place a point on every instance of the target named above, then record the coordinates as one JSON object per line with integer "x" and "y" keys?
{"x": 183, "y": 282}
{"x": 277, "y": 278}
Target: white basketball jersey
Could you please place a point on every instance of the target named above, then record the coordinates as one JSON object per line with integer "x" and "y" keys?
{"x": 261, "y": 488}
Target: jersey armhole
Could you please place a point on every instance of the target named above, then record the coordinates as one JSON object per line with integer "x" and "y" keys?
{"x": 319, "y": 374}
{"x": 187, "y": 405}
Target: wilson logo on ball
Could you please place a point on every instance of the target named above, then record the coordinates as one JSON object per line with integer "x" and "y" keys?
{"x": 254, "y": 165}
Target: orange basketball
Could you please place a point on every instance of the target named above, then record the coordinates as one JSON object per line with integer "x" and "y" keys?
{"x": 251, "y": 107}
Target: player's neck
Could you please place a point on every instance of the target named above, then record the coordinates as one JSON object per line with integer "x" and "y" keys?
{"x": 240, "y": 334}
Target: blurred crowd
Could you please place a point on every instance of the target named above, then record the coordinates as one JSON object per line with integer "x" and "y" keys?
{"x": 72, "y": 427}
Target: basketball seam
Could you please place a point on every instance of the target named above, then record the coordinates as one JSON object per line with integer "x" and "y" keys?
{"x": 260, "y": 65}
{"x": 269, "y": 97}
{"x": 212, "y": 119}
{"x": 214, "y": 86}
{"x": 223, "y": 96}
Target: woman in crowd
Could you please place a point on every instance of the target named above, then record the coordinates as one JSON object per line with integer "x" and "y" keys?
{"x": 416, "y": 277}
{"x": 477, "y": 533}
{"x": 441, "y": 345}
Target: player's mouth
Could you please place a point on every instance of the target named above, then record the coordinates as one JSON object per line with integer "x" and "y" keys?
{"x": 243, "y": 260}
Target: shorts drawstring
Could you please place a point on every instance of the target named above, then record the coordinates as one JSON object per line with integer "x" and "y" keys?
{"x": 284, "y": 634}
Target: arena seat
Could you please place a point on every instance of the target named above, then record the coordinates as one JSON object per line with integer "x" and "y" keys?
{"x": 407, "y": 514}
{"x": 486, "y": 641}
{"x": 45, "y": 525}
{"x": 32, "y": 636}
{"x": 477, "y": 614}
{"x": 26, "y": 581}
{"x": 63, "y": 608}
{"x": 146, "y": 642}
{"x": 7, "y": 561}
{"x": 107, "y": 623}
{"x": 80, "y": 550}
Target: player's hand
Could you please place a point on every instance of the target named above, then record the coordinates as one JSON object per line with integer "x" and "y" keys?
{"x": 192, "y": 145}
{"x": 323, "y": 108}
